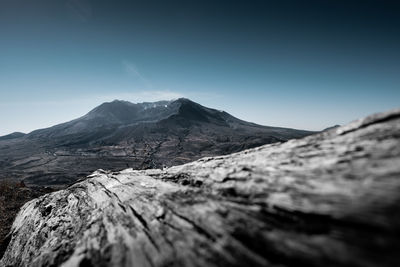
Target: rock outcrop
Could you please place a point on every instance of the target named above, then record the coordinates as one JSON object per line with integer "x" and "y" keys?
{"x": 331, "y": 199}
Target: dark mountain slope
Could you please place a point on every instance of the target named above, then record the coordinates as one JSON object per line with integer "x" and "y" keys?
{"x": 332, "y": 127}
{"x": 121, "y": 134}
{"x": 12, "y": 136}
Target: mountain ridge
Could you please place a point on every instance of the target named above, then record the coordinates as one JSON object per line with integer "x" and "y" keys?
{"x": 122, "y": 134}
{"x": 102, "y": 108}
{"x": 12, "y": 136}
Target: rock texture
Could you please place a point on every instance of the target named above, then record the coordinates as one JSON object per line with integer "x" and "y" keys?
{"x": 331, "y": 199}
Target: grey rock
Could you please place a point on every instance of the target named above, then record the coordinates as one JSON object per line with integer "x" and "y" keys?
{"x": 330, "y": 199}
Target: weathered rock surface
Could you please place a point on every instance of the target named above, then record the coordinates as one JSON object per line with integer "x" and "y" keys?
{"x": 331, "y": 199}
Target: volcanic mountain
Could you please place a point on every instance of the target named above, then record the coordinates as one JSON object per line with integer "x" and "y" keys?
{"x": 121, "y": 134}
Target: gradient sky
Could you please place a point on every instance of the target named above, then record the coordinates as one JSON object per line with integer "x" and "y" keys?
{"x": 300, "y": 64}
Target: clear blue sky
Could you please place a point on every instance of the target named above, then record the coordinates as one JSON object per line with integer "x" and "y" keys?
{"x": 300, "y": 64}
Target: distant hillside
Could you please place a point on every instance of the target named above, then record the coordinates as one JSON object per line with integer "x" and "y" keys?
{"x": 12, "y": 136}
{"x": 121, "y": 134}
{"x": 332, "y": 127}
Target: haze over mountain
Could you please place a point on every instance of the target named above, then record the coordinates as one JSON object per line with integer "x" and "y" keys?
{"x": 121, "y": 134}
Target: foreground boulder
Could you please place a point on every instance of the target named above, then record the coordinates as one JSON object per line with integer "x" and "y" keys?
{"x": 331, "y": 199}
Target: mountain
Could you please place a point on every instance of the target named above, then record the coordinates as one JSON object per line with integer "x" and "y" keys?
{"x": 330, "y": 128}
{"x": 12, "y": 136}
{"x": 121, "y": 134}
{"x": 330, "y": 199}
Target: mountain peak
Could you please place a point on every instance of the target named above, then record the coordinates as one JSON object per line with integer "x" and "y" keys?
{"x": 171, "y": 115}
{"x": 184, "y": 100}
{"x": 121, "y": 112}
{"x": 183, "y": 111}
{"x": 120, "y": 133}
{"x": 118, "y": 101}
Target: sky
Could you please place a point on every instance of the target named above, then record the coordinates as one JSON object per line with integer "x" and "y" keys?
{"x": 299, "y": 64}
